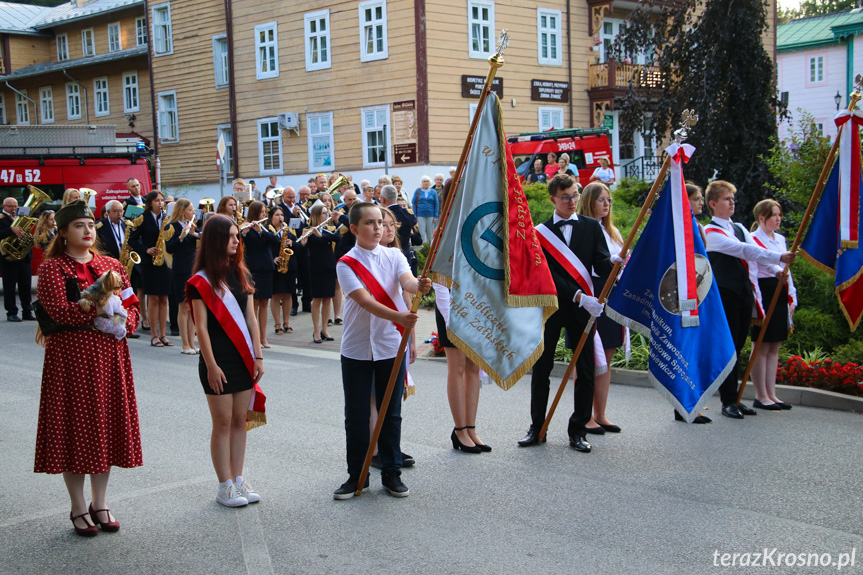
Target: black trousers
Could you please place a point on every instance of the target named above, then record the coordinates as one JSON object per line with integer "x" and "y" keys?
{"x": 357, "y": 379}
{"x": 584, "y": 368}
{"x": 738, "y": 312}
{"x": 16, "y": 275}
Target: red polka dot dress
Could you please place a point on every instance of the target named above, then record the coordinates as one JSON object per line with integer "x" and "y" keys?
{"x": 88, "y": 416}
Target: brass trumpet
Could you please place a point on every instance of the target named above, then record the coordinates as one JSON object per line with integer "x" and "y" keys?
{"x": 206, "y": 205}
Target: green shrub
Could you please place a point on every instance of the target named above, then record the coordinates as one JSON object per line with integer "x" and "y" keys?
{"x": 851, "y": 352}
{"x": 639, "y": 356}
{"x": 540, "y": 206}
{"x": 632, "y": 191}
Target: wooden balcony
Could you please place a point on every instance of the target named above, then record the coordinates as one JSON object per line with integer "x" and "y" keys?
{"x": 612, "y": 79}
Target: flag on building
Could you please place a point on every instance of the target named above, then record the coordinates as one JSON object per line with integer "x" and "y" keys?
{"x": 691, "y": 350}
{"x": 832, "y": 239}
{"x": 502, "y": 291}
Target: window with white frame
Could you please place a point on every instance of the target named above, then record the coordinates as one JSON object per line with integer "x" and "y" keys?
{"x": 816, "y": 69}
{"x": 169, "y": 124}
{"x": 266, "y": 51}
{"x": 88, "y": 42}
{"x": 100, "y": 96}
{"x": 3, "y": 121}
{"x": 610, "y": 29}
{"x": 73, "y": 101}
{"x": 130, "y": 92}
{"x": 373, "y": 30}
{"x": 269, "y": 146}
{"x": 46, "y": 104}
{"x": 548, "y": 32}
{"x": 62, "y": 47}
{"x": 480, "y": 23}
{"x": 321, "y": 144}
{"x": 22, "y": 108}
{"x": 220, "y": 60}
{"x": 140, "y": 31}
{"x": 224, "y": 130}
{"x": 317, "y": 33}
{"x": 550, "y": 119}
{"x": 376, "y": 128}
{"x": 114, "y": 42}
{"x": 162, "y": 36}
{"x": 472, "y": 112}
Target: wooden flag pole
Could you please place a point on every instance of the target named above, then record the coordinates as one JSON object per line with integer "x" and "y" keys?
{"x": 495, "y": 62}
{"x": 798, "y": 238}
{"x": 689, "y": 119}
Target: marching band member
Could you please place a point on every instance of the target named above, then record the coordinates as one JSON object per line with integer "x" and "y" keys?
{"x": 157, "y": 278}
{"x": 228, "y": 206}
{"x": 88, "y": 416}
{"x": 596, "y": 203}
{"x": 183, "y": 247}
{"x": 230, "y": 364}
{"x": 137, "y": 279}
{"x": 70, "y": 195}
{"x": 329, "y": 202}
{"x": 284, "y": 284}
{"x": 46, "y": 229}
{"x": 302, "y": 254}
{"x": 259, "y": 244}
{"x": 371, "y": 276}
{"x": 16, "y": 273}
{"x": 733, "y": 256}
{"x": 768, "y": 218}
{"x": 134, "y": 199}
{"x": 111, "y": 230}
{"x": 322, "y": 271}
{"x": 572, "y": 245}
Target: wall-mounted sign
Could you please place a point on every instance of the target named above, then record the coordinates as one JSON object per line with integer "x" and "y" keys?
{"x": 471, "y": 86}
{"x": 404, "y": 132}
{"x": 549, "y": 91}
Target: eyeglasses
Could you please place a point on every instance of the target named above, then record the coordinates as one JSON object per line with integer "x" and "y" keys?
{"x": 607, "y": 201}
{"x": 568, "y": 199}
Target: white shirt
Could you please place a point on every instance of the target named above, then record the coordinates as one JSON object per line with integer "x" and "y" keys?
{"x": 566, "y": 230}
{"x": 614, "y": 248}
{"x": 367, "y": 337}
{"x": 778, "y": 245}
{"x": 119, "y": 232}
{"x": 137, "y": 199}
{"x": 604, "y": 174}
{"x": 729, "y": 245}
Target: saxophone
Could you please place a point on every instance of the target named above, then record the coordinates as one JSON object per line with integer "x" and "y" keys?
{"x": 128, "y": 257}
{"x": 164, "y": 235}
{"x": 285, "y": 252}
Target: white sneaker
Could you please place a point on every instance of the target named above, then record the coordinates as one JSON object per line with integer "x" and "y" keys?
{"x": 247, "y": 491}
{"x": 230, "y": 497}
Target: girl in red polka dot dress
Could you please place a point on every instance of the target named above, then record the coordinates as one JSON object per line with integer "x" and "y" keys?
{"x": 88, "y": 416}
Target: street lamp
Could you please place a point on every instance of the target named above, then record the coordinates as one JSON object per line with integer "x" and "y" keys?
{"x": 838, "y": 99}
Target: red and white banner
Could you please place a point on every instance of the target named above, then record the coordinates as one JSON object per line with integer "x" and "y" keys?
{"x": 684, "y": 244}
{"x": 849, "y": 177}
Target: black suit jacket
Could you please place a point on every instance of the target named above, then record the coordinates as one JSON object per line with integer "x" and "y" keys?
{"x": 107, "y": 239}
{"x": 130, "y": 202}
{"x": 588, "y": 244}
{"x": 6, "y": 231}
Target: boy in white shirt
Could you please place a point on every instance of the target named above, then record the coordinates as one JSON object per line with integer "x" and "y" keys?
{"x": 370, "y": 276}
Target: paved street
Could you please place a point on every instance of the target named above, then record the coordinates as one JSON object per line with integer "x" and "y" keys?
{"x": 661, "y": 497}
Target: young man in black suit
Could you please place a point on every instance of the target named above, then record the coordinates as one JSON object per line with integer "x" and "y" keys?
{"x": 579, "y": 238}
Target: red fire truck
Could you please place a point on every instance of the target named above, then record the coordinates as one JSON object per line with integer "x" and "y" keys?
{"x": 585, "y": 148}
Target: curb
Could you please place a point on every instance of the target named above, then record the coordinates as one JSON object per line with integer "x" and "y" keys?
{"x": 805, "y": 396}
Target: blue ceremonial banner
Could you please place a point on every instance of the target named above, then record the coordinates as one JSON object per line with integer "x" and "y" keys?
{"x": 687, "y": 364}
{"x": 823, "y": 247}
{"x": 502, "y": 290}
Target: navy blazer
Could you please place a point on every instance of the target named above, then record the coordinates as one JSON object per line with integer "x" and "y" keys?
{"x": 260, "y": 249}
{"x": 107, "y": 239}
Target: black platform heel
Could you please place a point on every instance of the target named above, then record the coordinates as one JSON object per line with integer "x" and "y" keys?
{"x": 456, "y": 444}
{"x": 482, "y": 446}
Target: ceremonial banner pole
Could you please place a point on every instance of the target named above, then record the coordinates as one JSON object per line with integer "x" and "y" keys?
{"x": 813, "y": 202}
{"x": 495, "y": 62}
{"x": 689, "y": 119}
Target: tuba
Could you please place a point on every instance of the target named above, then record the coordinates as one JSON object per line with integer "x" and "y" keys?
{"x": 87, "y": 193}
{"x": 285, "y": 252}
{"x": 15, "y": 248}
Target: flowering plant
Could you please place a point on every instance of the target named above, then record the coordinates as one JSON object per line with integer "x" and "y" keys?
{"x": 437, "y": 348}
{"x": 822, "y": 374}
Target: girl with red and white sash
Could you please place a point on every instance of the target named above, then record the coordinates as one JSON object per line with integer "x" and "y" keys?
{"x": 231, "y": 364}
{"x": 371, "y": 276}
{"x": 768, "y": 217}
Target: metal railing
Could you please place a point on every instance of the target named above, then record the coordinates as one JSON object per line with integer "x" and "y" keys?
{"x": 643, "y": 168}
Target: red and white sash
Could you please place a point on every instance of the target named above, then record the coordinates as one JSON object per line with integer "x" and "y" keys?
{"x": 849, "y": 177}
{"x": 759, "y": 310}
{"x": 227, "y": 311}
{"x": 684, "y": 244}
{"x": 564, "y": 256}
{"x": 760, "y": 243}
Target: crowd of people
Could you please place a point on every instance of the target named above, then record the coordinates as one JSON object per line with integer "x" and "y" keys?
{"x": 341, "y": 252}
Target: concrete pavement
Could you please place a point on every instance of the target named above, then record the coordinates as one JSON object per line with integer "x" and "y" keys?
{"x": 660, "y": 497}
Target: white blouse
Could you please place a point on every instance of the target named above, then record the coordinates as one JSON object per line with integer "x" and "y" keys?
{"x": 777, "y": 244}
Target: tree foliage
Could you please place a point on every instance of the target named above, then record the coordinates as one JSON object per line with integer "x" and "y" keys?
{"x": 816, "y": 8}
{"x": 712, "y": 60}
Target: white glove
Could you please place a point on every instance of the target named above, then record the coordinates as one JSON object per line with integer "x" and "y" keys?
{"x": 591, "y": 304}
{"x": 105, "y": 325}
{"x": 616, "y": 259}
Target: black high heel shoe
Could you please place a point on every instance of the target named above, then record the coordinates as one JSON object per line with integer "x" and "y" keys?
{"x": 456, "y": 444}
{"x": 482, "y": 446}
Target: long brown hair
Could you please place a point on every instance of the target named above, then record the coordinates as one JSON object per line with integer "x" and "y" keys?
{"x": 223, "y": 203}
{"x": 256, "y": 208}
{"x": 213, "y": 259}
{"x": 591, "y": 193}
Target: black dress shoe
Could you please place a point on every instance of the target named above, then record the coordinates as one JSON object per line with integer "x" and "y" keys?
{"x": 532, "y": 438}
{"x": 783, "y": 405}
{"x": 408, "y": 460}
{"x": 767, "y": 406}
{"x": 13, "y": 318}
{"x": 611, "y": 428}
{"x": 132, "y": 335}
{"x": 28, "y": 317}
{"x": 456, "y": 444}
{"x": 579, "y": 443}
{"x": 731, "y": 411}
{"x": 595, "y": 430}
{"x": 293, "y": 312}
{"x": 746, "y": 410}
{"x": 698, "y": 418}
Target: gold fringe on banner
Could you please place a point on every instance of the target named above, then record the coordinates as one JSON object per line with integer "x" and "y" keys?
{"x": 255, "y": 419}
